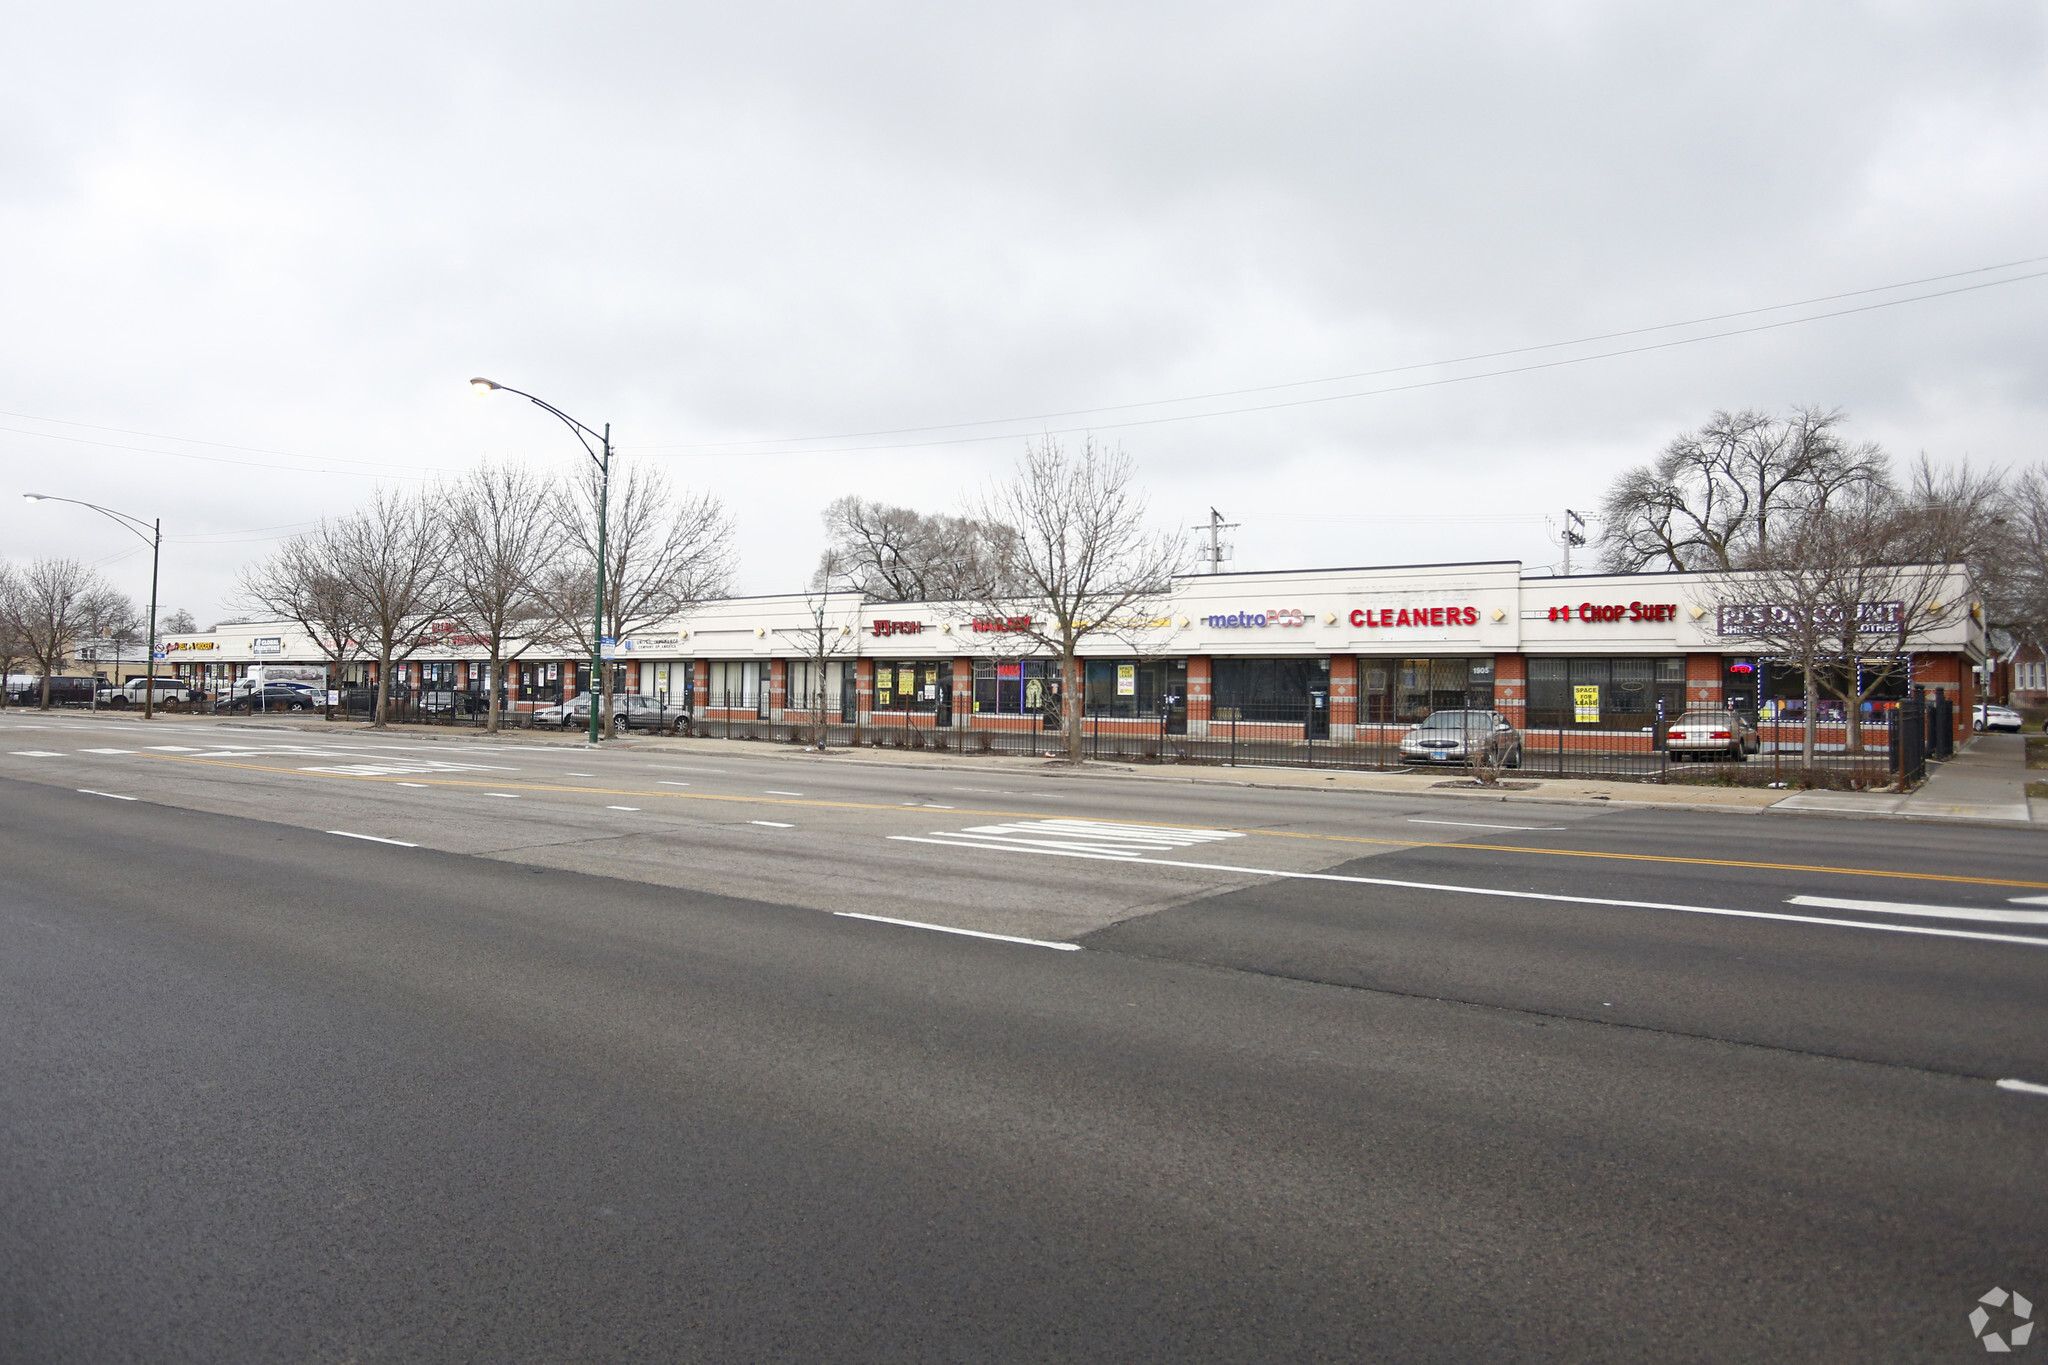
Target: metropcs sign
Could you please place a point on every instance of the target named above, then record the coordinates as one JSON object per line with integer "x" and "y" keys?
{"x": 1246, "y": 620}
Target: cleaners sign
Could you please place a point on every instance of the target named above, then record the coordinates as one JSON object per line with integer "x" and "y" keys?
{"x": 1383, "y": 618}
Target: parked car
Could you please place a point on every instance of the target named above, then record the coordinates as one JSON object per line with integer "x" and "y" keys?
{"x": 26, "y": 691}
{"x": 1712, "y": 733}
{"x": 449, "y": 702}
{"x": 634, "y": 712}
{"x": 166, "y": 689}
{"x": 575, "y": 711}
{"x": 278, "y": 696}
{"x": 630, "y": 711}
{"x": 1460, "y": 736}
{"x": 1993, "y": 717}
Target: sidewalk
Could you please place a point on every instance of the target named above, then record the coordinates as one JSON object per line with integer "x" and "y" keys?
{"x": 1986, "y": 780}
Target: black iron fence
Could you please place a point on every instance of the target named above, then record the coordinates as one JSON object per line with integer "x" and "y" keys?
{"x": 1282, "y": 735}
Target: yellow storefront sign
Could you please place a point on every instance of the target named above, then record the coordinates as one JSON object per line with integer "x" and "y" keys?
{"x": 1586, "y": 705}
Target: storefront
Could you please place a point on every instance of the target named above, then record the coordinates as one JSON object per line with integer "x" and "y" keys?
{"x": 1341, "y": 655}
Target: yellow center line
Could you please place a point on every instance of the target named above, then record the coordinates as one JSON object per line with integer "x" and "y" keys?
{"x": 425, "y": 779}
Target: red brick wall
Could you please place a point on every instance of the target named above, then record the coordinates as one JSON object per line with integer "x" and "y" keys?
{"x": 1703, "y": 680}
{"x": 1198, "y": 687}
{"x": 1343, "y": 689}
{"x": 1511, "y": 688}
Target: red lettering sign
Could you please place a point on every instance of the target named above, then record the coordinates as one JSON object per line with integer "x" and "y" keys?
{"x": 1615, "y": 611}
{"x": 1383, "y": 618}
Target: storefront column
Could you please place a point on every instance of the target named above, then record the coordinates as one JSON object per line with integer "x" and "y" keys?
{"x": 963, "y": 691}
{"x": 1343, "y": 696}
{"x": 1199, "y": 677}
{"x": 1702, "y": 681}
{"x": 778, "y": 687}
{"x": 1511, "y": 688}
{"x": 864, "y": 691}
{"x": 1947, "y": 671}
{"x": 568, "y": 681}
{"x": 700, "y": 685}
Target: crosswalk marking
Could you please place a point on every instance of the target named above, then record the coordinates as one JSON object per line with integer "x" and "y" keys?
{"x": 1078, "y": 838}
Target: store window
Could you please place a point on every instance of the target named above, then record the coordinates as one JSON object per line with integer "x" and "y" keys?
{"x": 1404, "y": 691}
{"x": 1012, "y": 687}
{"x": 912, "y": 685}
{"x": 672, "y": 682}
{"x": 813, "y": 685}
{"x": 1267, "y": 689}
{"x": 738, "y": 685}
{"x": 1776, "y": 689}
{"x": 1606, "y": 694}
{"x": 1134, "y": 687}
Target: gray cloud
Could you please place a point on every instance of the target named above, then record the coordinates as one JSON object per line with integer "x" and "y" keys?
{"x": 302, "y": 232}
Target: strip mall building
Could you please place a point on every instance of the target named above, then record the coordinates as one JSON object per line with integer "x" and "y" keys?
{"x": 1344, "y": 653}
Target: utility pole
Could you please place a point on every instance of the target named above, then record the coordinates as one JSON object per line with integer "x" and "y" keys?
{"x": 1574, "y": 534}
{"x": 1216, "y": 526}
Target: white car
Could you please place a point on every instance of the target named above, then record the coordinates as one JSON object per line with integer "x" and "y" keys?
{"x": 1991, "y": 717}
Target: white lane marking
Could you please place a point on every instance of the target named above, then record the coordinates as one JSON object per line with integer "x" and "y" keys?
{"x": 660, "y": 783}
{"x": 1988, "y": 914}
{"x": 106, "y": 751}
{"x": 1924, "y": 930}
{"x": 172, "y": 749}
{"x": 933, "y": 805}
{"x": 348, "y": 834}
{"x": 622, "y": 808}
{"x": 2029, "y": 900}
{"x": 2024, "y": 1087}
{"x": 37, "y": 753}
{"x": 965, "y": 933}
{"x": 1467, "y": 824}
{"x": 770, "y": 791}
{"x": 111, "y": 796}
{"x": 502, "y": 796}
{"x": 411, "y": 784}
{"x": 984, "y": 791}
{"x": 772, "y": 824}
{"x": 579, "y": 774}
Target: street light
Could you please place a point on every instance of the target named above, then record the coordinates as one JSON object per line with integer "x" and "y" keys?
{"x": 154, "y": 538}
{"x": 602, "y": 457}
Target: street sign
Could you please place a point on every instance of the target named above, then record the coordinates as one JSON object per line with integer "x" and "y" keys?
{"x": 607, "y": 648}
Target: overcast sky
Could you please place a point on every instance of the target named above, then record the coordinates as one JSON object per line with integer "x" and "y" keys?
{"x": 250, "y": 257}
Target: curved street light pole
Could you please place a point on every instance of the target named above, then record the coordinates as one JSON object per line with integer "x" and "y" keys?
{"x": 602, "y": 457}
{"x": 154, "y": 538}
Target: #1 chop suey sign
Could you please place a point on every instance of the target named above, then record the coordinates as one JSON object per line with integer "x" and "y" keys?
{"x": 1617, "y": 611}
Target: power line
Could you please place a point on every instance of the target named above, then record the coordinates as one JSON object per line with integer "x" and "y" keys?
{"x": 1374, "y": 374}
{"x": 1419, "y": 384}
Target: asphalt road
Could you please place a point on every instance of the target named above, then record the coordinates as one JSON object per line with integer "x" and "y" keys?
{"x": 1277, "y": 1075}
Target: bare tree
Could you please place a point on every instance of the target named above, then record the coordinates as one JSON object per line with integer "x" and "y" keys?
{"x": 13, "y": 643}
{"x": 388, "y": 557}
{"x": 663, "y": 553}
{"x": 1080, "y": 561}
{"x": 1712, "y": 499}
{"x": 303, "y": 583}
{"x": 179, "y": 622}
{"x": 52, "y": 603}
{"x": 1843, "y": 593}
{"x": 2026, "y": 514}
{"x": 500, "y": 529}
{"x": 829, "y": 634}
{"x": 894, "y": 554}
